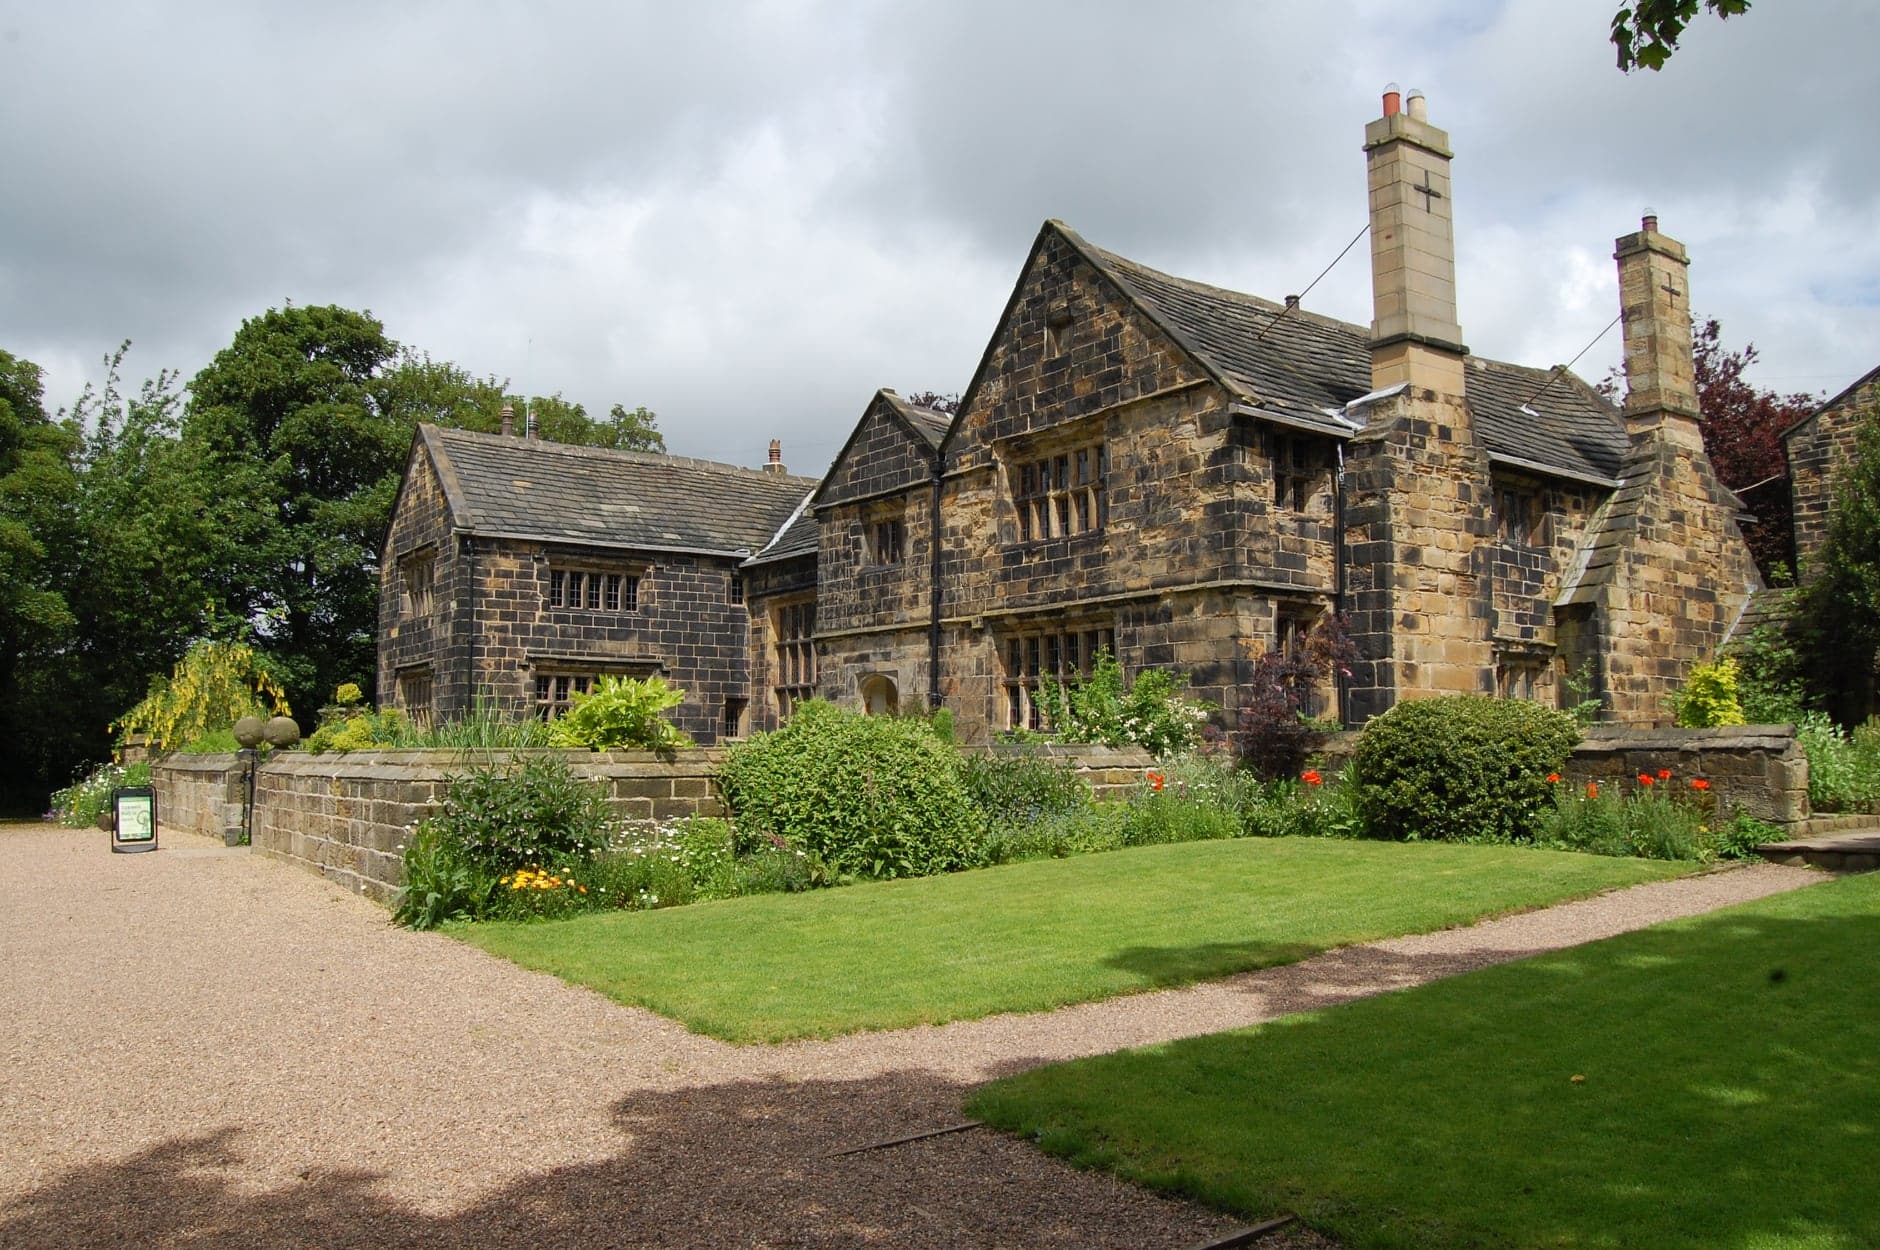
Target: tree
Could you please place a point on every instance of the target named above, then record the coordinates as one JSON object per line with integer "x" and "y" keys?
{"x": 1742, "y": 426}
{"x": 38, "y": 490}
{"x": 949, "y": 403}
{"x": 1837, "y": 620}
{"x": 1646, "y": 32}
{"x": 631, "y": 431}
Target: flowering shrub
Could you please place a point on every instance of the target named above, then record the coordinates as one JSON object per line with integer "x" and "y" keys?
{"x": 1661, "y": 818}
{"x": 1843, "y": 769}
{"x": 1151, "y": 714}
{"x": 1709, "y": 697}
{"x": 214, "y": 685}
{"x": 80, "y": 804}
{"x": 1460, "y": 768}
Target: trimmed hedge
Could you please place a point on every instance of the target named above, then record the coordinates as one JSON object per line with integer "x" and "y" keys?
{"x": 1463, "y": 768}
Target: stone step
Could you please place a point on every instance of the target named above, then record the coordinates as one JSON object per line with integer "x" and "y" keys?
{"x": 1851, "y": 850}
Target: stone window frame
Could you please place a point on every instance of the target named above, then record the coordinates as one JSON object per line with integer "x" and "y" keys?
{"x": 1522, "y": 512}
{"x": 793, "y": 630}
{"x": 734, "y": 718}
{"x": 1061, "y": 650}
{"x": 734, "y": 593}
{"x": 582, "y": 586}
{"x": 417, "y": 573}
{"x": 553, "y": 683}
{"x": 884, "y": 537}
{"x": 1293, "y": 623}
{"x": 1300, "y": 465}
{"x": 1522, "y": 674}
{"x": 416, "y": 692}
{"x": 1059, "y": 492}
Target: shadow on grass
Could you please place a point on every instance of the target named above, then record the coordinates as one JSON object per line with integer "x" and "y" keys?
{"x": 731, "y": 1165}
{"x": 1713, "y": 1084}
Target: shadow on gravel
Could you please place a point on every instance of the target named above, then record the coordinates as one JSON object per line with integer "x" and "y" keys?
{"x": 1304, "y": 978}
{"x": 734, "y": 1165}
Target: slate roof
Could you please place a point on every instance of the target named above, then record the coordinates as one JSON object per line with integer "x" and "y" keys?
{"x": 501, "y": 486}
{"x": 1865, "y": 382}
{"x": 799, "y": 536}
{"x": 1304, "y": 367}
{"x": 929, "y": 423}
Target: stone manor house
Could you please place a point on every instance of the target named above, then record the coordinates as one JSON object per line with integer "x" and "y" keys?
{"x": 1183, "y": 475}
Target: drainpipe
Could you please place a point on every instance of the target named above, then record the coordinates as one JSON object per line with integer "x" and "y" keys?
{"x": 933, "y": 588}
{"x": 1341, "y": 685}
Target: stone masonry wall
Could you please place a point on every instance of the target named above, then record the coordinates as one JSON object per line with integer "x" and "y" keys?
{"x": 347, "y": 816}
{"x": 199, "y": 793}
{"x": 1759, "y": 769}
{"x": 1816, "y": 449}
{"x": 768, "y": 586}
{"x": 411, "y": 642}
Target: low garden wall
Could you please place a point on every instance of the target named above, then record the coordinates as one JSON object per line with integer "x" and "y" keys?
{"x": 200, "y": 793}
{"x": 1759, "y": 769}
{"x": 346, "y": 816}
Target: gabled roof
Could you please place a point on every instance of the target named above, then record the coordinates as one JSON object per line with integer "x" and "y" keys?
{"x": 1867, "y": 380}
{"x": 501, "y": 486}
{"x": 930, "y": 423}
{"x": 798, "y": 537}
{"x": 1303, "y": 368}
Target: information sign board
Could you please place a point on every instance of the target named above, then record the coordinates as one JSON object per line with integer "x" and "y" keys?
{"x": 135, "y": 825}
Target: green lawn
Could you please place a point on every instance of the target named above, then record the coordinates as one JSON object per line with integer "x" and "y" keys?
{"x": 1037, "y": 935}
{"x": 1730, "y": 1096}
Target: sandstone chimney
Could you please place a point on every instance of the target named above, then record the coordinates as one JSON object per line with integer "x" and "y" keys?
{"x": 775, "y": 463}
{"x": 509, "y": 421}
{"x": 1414, "y": 335}
{"x": 1655, "y": 305}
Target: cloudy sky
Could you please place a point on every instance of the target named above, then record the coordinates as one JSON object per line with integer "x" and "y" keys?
{"x": 748, "y": 216}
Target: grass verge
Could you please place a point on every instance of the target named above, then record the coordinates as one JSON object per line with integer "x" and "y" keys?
{"x": 1713, "y": 1082}
{"x": 1031, "y": 936}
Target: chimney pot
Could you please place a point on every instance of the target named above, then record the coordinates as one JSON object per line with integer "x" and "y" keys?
{"x": 533, "y": 432}
{"x": 509, "y": 421}
{"x": 1417, "y": 106}
{"x": 1292, "y": 301}
{"x": 1393, "y": 100}
{"x": 1650, "y": 220}
{"x": 775, "y": 463}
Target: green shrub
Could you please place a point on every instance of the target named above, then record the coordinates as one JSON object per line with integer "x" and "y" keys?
{"x": 872, "y": 796}
{"x": 215, "y": 742}
{"x": 1022, "y": 789}
{"x": 1151, "y": 714}
{"x": 442, "y": 883}
{"x": 538, "y": 815}
{"x": 1460, "y": 768}
{"x": 1843, "y": 769}
{"x": 361, "y": 731}
{"x": 214, "y": 685}
{"x": 1083, "y": 831}
{"x": 621, "y": 714}
{"x": 1709, "y": 697}
{"x": 81, "y": 803}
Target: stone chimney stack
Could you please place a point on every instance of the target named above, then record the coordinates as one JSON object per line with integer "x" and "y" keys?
{"x": 530, "y": 430}
{"x": 1655, "y": 305}
{"x": 775, "y": 463}
{"x": 509, "y": 420}
{"x": 1414, "y": 335}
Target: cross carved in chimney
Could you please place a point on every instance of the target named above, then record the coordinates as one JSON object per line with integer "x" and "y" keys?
{"x": 1430, "y": 194}
{"x": 1670, "y": 290}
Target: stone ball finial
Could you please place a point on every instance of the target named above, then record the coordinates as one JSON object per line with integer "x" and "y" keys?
{"x": 250, "y": 730}
{"x": 282, "y": 731}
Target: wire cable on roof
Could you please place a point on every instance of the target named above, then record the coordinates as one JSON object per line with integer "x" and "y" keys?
{"x": 1299, "y": 298}
{"x": 1554, "y": 374}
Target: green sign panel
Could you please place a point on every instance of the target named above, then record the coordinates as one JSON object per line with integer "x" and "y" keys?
{"x": 135, "y": 826}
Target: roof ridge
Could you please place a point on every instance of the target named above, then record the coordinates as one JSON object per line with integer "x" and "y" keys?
{"x": 510, "y": 442}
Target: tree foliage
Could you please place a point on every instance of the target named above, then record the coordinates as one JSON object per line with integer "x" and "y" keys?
{"x": 1646, "y": 32}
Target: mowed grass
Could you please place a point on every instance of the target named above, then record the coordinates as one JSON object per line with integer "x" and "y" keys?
{"x": 1032, "y": 936}
{"x": 1730, "y": 1097}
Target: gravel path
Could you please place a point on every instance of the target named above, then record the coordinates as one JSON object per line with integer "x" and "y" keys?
{"x": 202, "y": 1047}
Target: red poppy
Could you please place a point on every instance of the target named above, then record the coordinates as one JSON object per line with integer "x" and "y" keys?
{"x": 1155, "y": 781}
{"x": 1592, "y": 789}
{"x": 1645, "y": 779}
{"x": 1311, "y": 777}
{"x": 1664, "y": 774}
{"x": 1553, "y": 779}
{"x": 1698, "y": 783}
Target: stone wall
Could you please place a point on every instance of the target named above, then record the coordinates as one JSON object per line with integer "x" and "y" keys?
{"x": 1816, "y": 449}
{"x": 346, "y": 816}
{"x": 199, "y": 793}
{"x": 1759, "y": 769}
